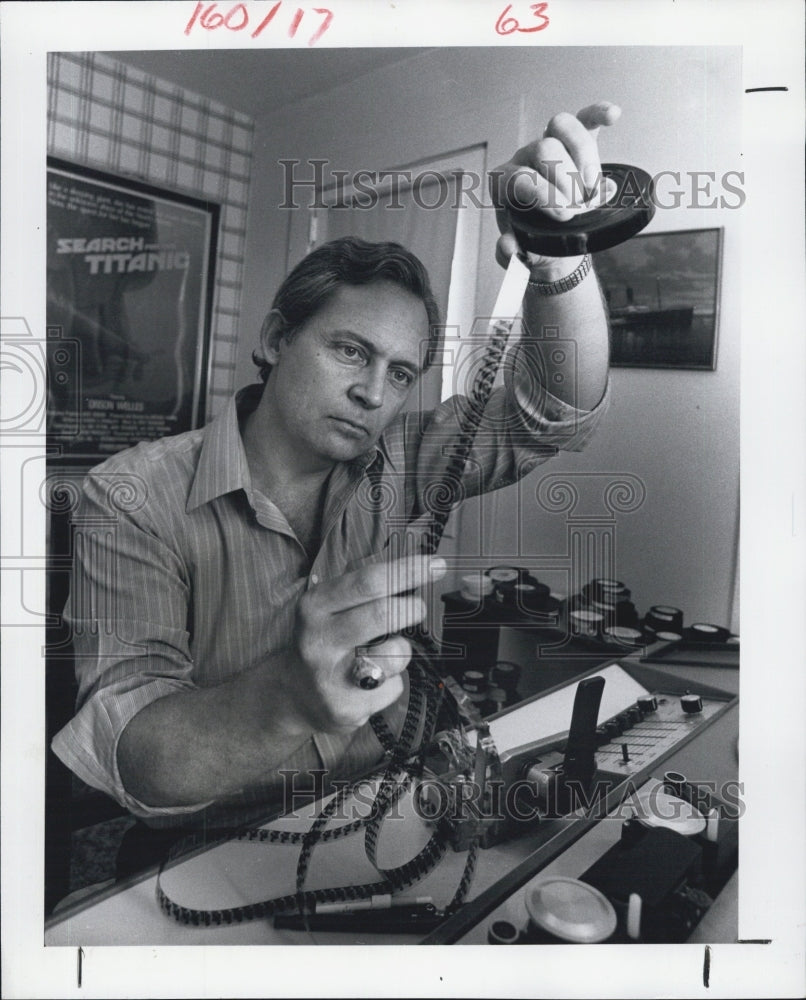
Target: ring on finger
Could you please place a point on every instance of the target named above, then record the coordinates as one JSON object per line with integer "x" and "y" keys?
{"x": 366, "y": 673}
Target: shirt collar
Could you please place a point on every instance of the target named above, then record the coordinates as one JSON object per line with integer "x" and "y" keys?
{"x": 222, "y": 466}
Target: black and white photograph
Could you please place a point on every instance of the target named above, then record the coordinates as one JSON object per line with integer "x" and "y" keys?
{"x": 662, "y": 295}
{"x": 397, "y": 526}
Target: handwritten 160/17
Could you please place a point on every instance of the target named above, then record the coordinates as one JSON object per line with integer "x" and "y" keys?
{"x": 236, "y": 18}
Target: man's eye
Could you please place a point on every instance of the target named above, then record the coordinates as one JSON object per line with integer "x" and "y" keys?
{"x": 350, "y": 352}
{"x": 402, "y": 377}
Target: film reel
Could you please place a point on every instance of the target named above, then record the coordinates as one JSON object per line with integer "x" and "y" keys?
{"x": 625, "y": 214}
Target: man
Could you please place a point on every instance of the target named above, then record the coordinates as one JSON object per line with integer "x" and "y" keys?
{"x": 216, "y": 635}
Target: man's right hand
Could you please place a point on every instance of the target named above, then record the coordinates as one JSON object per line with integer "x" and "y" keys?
{"x": 197, "y": 745}
{"x": 350, "y": 611}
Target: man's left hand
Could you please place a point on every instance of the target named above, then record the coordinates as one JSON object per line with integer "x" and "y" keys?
{"x": 559, "y": 175}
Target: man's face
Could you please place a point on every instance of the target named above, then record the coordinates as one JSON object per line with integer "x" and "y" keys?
{"x": 346, "y": 373}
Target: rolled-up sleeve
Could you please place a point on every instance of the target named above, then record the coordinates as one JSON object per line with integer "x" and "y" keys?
{"x": 128, "y": 613}
{"x": 548, "y": 419}
{"x": 522, "y": 426}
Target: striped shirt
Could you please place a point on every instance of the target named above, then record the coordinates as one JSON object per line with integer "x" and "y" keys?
{"x": 185, "y": 574}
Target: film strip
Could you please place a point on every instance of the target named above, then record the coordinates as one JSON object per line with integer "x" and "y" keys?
{"x": 396, "y": 778}
{"x": 426, "y": 691}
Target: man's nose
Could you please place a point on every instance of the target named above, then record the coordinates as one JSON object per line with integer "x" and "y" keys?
{"x": 368, "y": 389}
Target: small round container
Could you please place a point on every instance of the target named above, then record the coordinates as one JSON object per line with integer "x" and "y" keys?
{"x": 606, "y": 589}
{"x": 586, "y": 623}
{"x": 605, "y": 609}
{"x": 502, "y": 932}
{"x": 504, "y": 574}
{"x": 570, "y": 911}
{"x": 505, "y": 674}
{"x": 474, "y": 683}
{"x": 475, "y": 587}
{"x": 620, "y": 635}
{"x": 705, "y": 632}
{"x": 663, "y": 618}
{"x": 531, "y": 596}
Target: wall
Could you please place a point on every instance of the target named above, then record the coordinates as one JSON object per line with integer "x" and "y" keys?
{"x": 676, "y": 431}
{"x": 104, "y": 114}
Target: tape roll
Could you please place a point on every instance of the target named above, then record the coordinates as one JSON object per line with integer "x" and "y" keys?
{"x": 623, "y": 636}
{"x": 606, "y": 589}
{"x": 505, "y": 674}
{"x": 607, "y": 583}
{"x": 504, "y": 574}
{"x": 589, "y": 624}
{"x": 665, "y": 609}
{"x": 624, "y": 215}
{"x": 475, "y": 587}
{"x": 705, "y": 632}
{"x": 531, "y": 596}
{"x": 603, "y": 607}
{"x": 662, "y": 617}
{"x": 474, "y": 682}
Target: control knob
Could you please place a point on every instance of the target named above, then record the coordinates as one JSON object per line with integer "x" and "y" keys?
{"x": 691, "y": 703}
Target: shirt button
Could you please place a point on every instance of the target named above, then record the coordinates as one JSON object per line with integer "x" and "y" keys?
{"x": 314, "y": 579}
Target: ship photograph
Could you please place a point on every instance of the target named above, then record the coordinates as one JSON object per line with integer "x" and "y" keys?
{"x": 661, "y": 291}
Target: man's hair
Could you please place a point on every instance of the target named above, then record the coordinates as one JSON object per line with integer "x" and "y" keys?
{"x": 347, "y": 261}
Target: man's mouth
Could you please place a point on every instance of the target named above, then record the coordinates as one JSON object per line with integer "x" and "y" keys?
{"x": 351, "y": 427}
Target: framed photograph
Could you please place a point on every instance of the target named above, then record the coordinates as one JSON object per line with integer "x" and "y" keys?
{"x": 130, "y": 273}
{"x": 662, "y": 292}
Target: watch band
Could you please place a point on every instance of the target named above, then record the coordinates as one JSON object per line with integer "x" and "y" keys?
{"x": 563, "y": 284}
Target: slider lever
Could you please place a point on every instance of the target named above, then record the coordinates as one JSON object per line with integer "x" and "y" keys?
{"x": 575, "y": 777}
{"x": 580, "y": 750}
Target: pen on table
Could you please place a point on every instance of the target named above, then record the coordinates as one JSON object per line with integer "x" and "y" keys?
{"x": 387, "y": 916}
{"x": 381, "y": 902}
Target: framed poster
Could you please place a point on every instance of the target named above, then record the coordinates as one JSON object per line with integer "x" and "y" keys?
{"x": 130, "y": 277}
{"x": 662, "y": 292}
